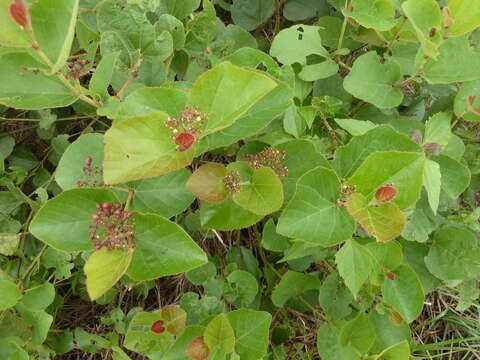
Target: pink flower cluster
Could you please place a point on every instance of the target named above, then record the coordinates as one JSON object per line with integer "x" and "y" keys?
{"x": 187, "y": 129}
{"x": 92, "y": 175}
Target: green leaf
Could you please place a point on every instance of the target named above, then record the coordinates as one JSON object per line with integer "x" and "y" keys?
{"x": 164, "y": 195}
{"x": 295, "y": 10}
{"x": 69, "y": 213}
{"x": 415, "y": 257}
{"x": 400, "y": 351}
{"x": 104, "y": 268}
{"x": 245, "y": 289}
{"x": 70, "y": 169}
{"x": 251, "y": 332}
{"x": 386, "y": 255}
{"x": 226, "y": 92}
{"x": 295, "y": 43}
{"x": 102, "y": 76}
{"x": 24, "y": 89}
{"x": 38, "y": 320}
{"x": 404, "y": 170}
{"x": 470, "y": 88}
{"x": 355, "y": 127}
{"x": 175, "y": 318}
{"x": 271, "y": 240}
{"x": 226, "y": 216}
{"x": 201, "y": 274}
{"x": 313, "y": 214}
{"x": 39, "y": 297}
{"x": 457, "y": 62}
{"x": 425, "y": 15}
{"x": 53, "y": 23}
{"x": 321, "y": 70}
{"x": 372, "y": 81}
{"x": 11, "y": 34}
{"x": 465, "y": 15}
{"x": 10, "y": 294}
{"x": 454, "y": 255}
{"x": 468, "y": 293}
{"x": 249, "y": 14}
{"x": 383, "y": 221}
{"x": 206, "y": 182}
{"x": 149, "y": 100}
{"x": 335, "y": 299}
{"x": 125, "y": 160}
{"x": 179, "y": 9}
{"x": 329, "y": 346}
{"x": 421, "y": 222}
{"x": 376, "y": 14}
{"x": 9, "y": 243}
{"x": 382, "y": 138}
{"x": 139, "y": 336}
{"x": 263, "y": 195}
{"x": 220, "y": 333}
{"x": 355, "y": 264}
{"x": 437, "y": 129}
{"x": 358, "y": 333}
{"x": 432, "y": 182}
{"x": 292, "y": 285}
{"x": 163, "y": 248}
{"x": 455, "y": 176}
{"x": 404, "y": 293}
{"x": 388, "y": 333}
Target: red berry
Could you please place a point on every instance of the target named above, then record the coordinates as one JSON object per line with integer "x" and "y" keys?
{"x": 390, "y": 276}
{"x": 99, "y": 206}
{"x": 107, "y": 206}
{"x": 184, "y": 141}
{"x": 88, "y": 161}
{"x": 118, "y": 212}
{"x": 95, "y": 218}
{"x": 157, "y": 327}
{"x": 385, "y": 193}
{"x": 19, "y": 13}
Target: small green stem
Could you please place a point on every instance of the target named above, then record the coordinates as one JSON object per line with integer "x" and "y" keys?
{"x": 131, "y": 193}
{"x": 342, "y": 31}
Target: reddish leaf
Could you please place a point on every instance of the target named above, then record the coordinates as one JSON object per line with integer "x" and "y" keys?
{"x": 175, "y": 318}
{"x": 184, "y": 141}
{"x": 197, "y": 349}
{"x": 206, "y": 183}
{"x": 19, "y": 13}
{"x": 390, "y": 276}
{"x": 157, "y": 327}
{"x": 385, "y": 193}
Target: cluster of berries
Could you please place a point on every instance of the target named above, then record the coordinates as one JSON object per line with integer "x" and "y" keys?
{"x": 113, "y": 228}
{"x": 269, "y": 157}
{"x": 232, "y": 182}
{"x": 77, "y": 68}
{"x": 92, "y": 175}
{"x": 187, "y": 129}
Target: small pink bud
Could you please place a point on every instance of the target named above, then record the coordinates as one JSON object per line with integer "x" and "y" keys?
{"x": 88, "y": 161}
{"x": 385, "y": 193}
{"x": 107, "y": 206}
{"x": 118, "y": 212}
{"x": 185, "y": 141}
{"x": 128, "y": 214}
{"x": 19, "y": 13}
{"x": 96, "y": 218}
{"x": 390, "y": 276}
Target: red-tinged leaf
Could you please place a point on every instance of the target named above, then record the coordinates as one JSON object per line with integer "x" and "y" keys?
{"x": 390, "y": 276}
{"x": 197, "y": 349}
{"x": 19, "y": 13}
{"x": 157, "y": 327}
{"x": 184, "y": 141}
{"x": 175, "y": 318}
{"x": 385, "y": 193}
{"x": 206, "y": 183}
{"x": 470, "y": 102}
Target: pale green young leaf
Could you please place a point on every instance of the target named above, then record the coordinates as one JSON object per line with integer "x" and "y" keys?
{"x": 465, "y": 15}
{"x": 219, "y": 333}
{"x": 432, "y": 181}
{"x": 355, "y": 127}
{"x": 437, "y": 129}
{"x": 10, "y": 294}
{"x": 318, "y": 71}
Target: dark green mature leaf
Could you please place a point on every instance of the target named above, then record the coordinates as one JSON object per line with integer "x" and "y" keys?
{"x": 296, "y": 43}
{"x": 329, "y": 346}
{"x": 313, "y": 213}
{"x": 382, "y": 138}
{"x": 163, "y": 248}
{"x": 372, "y": 81}
{"x": 226, "y": 92}
{"x": 104, "y": 268}
{"x": 376, "y": 14}
{"x": 358, "y": 333}
{"x": 24, "y": 89}
{"x": 404, "y": 293}
{"x": 404, "y": 170}
{"x": 226, "y": 215}
{"x": 295, "y": 10}
{"x": 454, "y": 255}
{"x": 263, "y": 195}
{"x": 53, "y": 23}
{"x": 292, "y": 285}
{"x": 179, "y": 9}
{"x": 125, "y": 160}
{"x": 165, "y": 195}
{"x": 10, "y": 294}
{"x": 334, "y": 298}
{"x": 39, "y": 297}
{"x": 69, "y": 213}
{"x": 251, "y": 332}
{"x": 249, "y": 14}
{"x": 456, "y": 62}
{"x": 354, "y": 255}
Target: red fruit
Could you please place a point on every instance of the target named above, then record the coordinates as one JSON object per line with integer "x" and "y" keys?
{"x": 107, "y": 206}
{"x": 95, "y": 218}
{"x": 19, "y": 13}
{"x": 184, "y": 141}
{"x": 88, "y": 161}
{"x": 390, "y": 276}
{"x": 385, "y": 193}
{"x": 157, "y": 327}
{"x": 118, "y": 212}
{"x": 99, "y": 206}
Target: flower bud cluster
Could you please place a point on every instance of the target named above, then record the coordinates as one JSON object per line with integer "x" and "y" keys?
{"x": 92, "y": 175}
{"x": 269, "y": 157}
{"x": 77, "y": 68}
{"x": 113, "y": 227}
{"x": 187, "y": 129}
{"x": 232, "y": 182}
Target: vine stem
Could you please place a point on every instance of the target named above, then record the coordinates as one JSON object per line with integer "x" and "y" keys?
{"x": 133, "y": 76}
{"x": 342, "y": 31}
